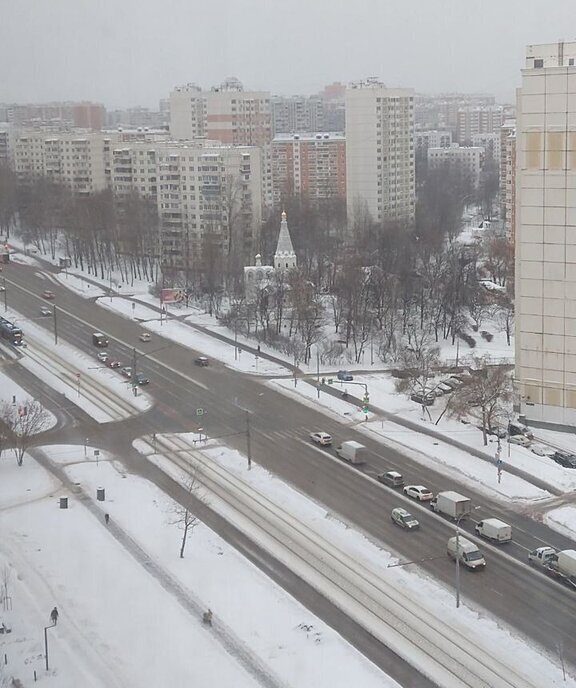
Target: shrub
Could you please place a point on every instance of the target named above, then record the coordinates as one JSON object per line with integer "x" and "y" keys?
{"x": 468, "y": 339}
{"x": 488, "y": 336}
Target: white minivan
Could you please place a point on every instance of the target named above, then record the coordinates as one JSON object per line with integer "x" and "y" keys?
{"x": 467, "y": 552}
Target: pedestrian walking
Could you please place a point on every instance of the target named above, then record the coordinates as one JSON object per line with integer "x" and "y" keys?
{"x": 107, "y": 518}
{"x": 54, "y": 615}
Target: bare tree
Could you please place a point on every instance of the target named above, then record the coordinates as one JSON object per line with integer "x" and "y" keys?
{"x": 182, "y": 514}
{"x": 22, "y": 423}
{"x": 5, "y": 581}
{"x": 419, "y": 358}
{"x": 486, "y": 394}
{"x": 505, "y": 315}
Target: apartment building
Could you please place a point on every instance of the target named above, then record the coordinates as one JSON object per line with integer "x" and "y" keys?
{"x": 309, "y": 165}
{"x": 508, "y": 177}
{"x": 467, "y": 161}
{"x": 84, "y": 115}
{"x": 546, "y": 234}
{"x": 491, "y": 145}
{"x": 297, "y": 114}
{"x": 75, "y": 159}
{"x": 203, "y": 190}
{"x": 432, "y": 138}
{"x": 226, "y": 113}
{"x": 478, "y": 120}
{"x": 379, "y": 152}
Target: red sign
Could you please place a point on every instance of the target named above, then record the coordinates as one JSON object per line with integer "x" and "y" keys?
{"x": 171, "y": 295}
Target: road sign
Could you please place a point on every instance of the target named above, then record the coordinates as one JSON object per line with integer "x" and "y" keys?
{"x": 199, "y": 411}
{"x": 365, "y": 409}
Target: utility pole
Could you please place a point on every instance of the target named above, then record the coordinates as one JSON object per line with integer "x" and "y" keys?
{"x": 55, "y": 325}
{"x": 133, "y": 377}
{"x": 318, "y": 371}
{"x": 248, "y": 447}
{"x": 5, "y": 296}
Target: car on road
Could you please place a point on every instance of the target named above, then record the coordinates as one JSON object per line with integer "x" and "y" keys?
{"x": 44, "y": 311}
{"x": 2, "y": 287}
{"x": 47, "y": 294}
{"x": 141, "y": 379}
{"x": 517, "y": 428}
{"x": 391, "y": 478}
{"x": 145, "y": 337}
{"x": 201, "y": 361}
{"x": 345, "y": 375}
{"x": 103, "y": 356}
{"x": 322, "y": 438}
{"x": 541, "y": 450}
{"x": 418, "y": 492}
{"x": 126, "y": 371}
{"x": 404, "y": 519}
{"x": 521, "y": 440}
{"x": 112, "y": 363}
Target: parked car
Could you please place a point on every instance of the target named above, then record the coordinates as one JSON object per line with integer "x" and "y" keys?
{"x": 45, "y": 311}
{"x": 391, "y": 478}
{"x": 322, "y": 438}
{"x": 345, "y": 375}
{"x": 145, "y": 337}
{"x": 541, "y": 450}
{"x": 452, "y": 382}
{"x": 403, "y": 519}
{"x": 564, "y": 458}
{"x": 418, "y": 492}
{"x": 423, "y": 399}
{"x": 497, "y": 432}
{"x": 141, "y": 379}
{"x": 201, "y": 361}
{"x": 521, "y": 440}
{"x": 103, "y": 356}
{"x": 516, "y": 428}
{"x": 112, "y": 363}
{"x": 47, "y": 294}
{"x": 445, "y": 387}
{"x": 126, "y": 371}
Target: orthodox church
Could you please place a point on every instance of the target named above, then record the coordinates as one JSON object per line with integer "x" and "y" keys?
{"x": 258, "y": 276}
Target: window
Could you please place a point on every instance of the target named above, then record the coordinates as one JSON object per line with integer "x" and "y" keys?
{"x": 538, "y": 64}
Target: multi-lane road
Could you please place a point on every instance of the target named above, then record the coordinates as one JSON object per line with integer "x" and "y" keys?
{"x": 539, "y": 608}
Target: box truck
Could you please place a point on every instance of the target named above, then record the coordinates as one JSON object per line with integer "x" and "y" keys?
{"x": 352, "y": 451}
{"x": 451, "y": 504}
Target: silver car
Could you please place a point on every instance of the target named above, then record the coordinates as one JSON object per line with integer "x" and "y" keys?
{"x": 403, "y": 519}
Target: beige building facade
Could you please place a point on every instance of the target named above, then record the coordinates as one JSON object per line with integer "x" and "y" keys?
{"x": 546, "y": 235}
{"x": 380, "y": 177}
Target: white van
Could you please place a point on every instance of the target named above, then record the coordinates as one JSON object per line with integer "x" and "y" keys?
{"x": 468, "y": 553}
{"x": 494, "y": 529}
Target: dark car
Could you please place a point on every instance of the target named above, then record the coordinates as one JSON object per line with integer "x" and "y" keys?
{"x": 47, "y": 294}
{"x": 141, "y": 379}
{"x": 345, "y": 375}
{"x": 423, "y": 399}
{"x": 564, "y": 458}
{"x": 112, "y": 363}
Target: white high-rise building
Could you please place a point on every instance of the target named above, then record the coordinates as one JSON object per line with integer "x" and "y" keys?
{"x": 380, "y": 152}
{"x": 546, "y": 234}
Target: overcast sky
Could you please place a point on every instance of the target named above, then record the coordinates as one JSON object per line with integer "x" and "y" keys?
{"x": 132, "y": 52}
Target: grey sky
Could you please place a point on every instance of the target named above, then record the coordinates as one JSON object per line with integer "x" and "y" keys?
{"x": 129, "y": 52}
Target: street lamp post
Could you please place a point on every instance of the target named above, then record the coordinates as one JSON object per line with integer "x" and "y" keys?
{"x": 458, "y": 560}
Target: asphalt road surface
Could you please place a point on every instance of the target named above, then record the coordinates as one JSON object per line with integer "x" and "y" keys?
{"x": 539, "y": 608}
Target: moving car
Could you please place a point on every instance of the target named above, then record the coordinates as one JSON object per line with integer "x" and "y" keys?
{"x": 467, "y": 552}
{"x": 141, "y": 379}
{"x": 127, "y": 372}
{"x": 517, "y": 428}
{"x": 403, "y": 519}
{"x": 345, "y": 375}
{"x": 391, "y": 478}
{"x": 201, "y": 361}
{"x": 45, "y": 311}
{"x": 112, "y": 363}
{"x": 522, "y": 440}
{"x": 419, "y": 492}
{"x": 322, "y": 438}
{"x": 47, "y": 294}
{"x": 145, "y": 337}
{"x": 103, "y": 356}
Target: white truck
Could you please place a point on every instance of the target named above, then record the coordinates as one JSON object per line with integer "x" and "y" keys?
{"x": 352, "y": 451}
{"x": 451, "y": 504}
{"x": 560, "y": 565}
{"x": 495, "y": 530}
